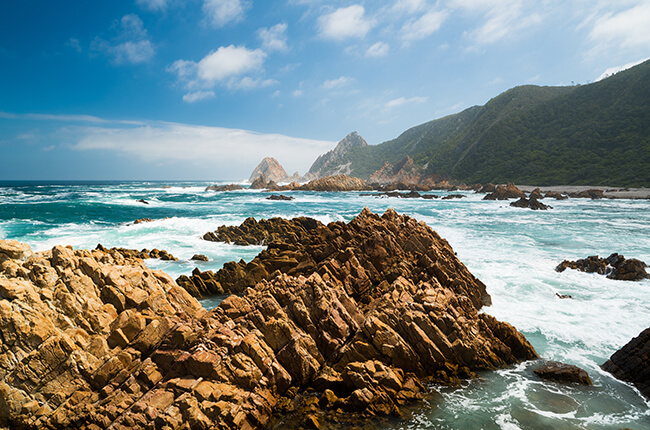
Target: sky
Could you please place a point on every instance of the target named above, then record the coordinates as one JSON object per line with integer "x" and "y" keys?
{"x": 205, "y": 89}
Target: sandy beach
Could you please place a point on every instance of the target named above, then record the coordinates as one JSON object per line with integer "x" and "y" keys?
{"x": 609, "y": 192}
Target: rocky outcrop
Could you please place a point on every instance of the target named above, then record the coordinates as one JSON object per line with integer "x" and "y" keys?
{"x": 279, "y": 197}
{"x": 615, "y": 267}
{"x": 261, "y": 183}
{"x": 229, "y": 187}
{"x": 335, "y": 161}
{"x": 404, "y": 171}
{"x": 564, "y": 373}
{"x": 453, "y": 196}
{"x": 409, "y": 195}
{"x": 487, "y": 188}
{"x": 555, "y": 195}
{"x": 531, "y": 203}
{"x": 350, "y": 317}
{"x": 336, "y": 183}
{"x": 536, "y": 194}
{"x": 505, "y": 192}
{"x": 272, "y": 171}
{"x": 632, "y": 363}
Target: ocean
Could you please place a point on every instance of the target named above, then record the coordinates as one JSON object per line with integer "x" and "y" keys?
{"x": 513, "y": 251}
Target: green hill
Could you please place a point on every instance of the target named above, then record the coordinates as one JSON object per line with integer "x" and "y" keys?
{"x": 595, "y": 134}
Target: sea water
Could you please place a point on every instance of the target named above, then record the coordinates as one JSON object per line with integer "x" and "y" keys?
{"x": 513, "y": 251}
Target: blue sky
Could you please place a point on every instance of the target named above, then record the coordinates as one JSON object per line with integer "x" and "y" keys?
{"x": 204, "y": 89}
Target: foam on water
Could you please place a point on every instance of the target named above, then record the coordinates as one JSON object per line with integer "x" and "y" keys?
{"x": 513, "y": 251}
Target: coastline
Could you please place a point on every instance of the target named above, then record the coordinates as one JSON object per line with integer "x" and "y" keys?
{"x": 609, "y": 192}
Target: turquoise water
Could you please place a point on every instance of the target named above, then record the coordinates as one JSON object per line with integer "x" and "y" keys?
{"x": 513, "y": 251}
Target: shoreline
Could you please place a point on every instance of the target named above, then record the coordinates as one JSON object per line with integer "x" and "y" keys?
{"x": 609, "y": 192}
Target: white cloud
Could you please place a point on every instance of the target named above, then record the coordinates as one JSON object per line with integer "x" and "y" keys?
{"x": 221, "y": 12}
{"x": 197, "y": 96}
{"x": 297, "y": 93}
{"x": 423, "y": 26}
{"x": 614, "y": 70}
{"x": 153, "y": 5}
{"x": 274, "y": 38}
{"x": 408, "y": 6}
{"x": 337, "y": 83}
{"x": 130, "y": 45}
{"x": 229, "y": 61}
{"x": 404, "y": 101}
{"x": 213, "y": 146}
{"x": 499, "y": 19}
{"x": 74, "y": 44}
{"x": 345, "y": 23}
{"x": 248, "y": 83}
{"x": 629, "y": 29}
{"x": 378, "y": 50}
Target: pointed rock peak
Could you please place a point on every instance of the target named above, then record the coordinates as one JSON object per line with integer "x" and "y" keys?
{"x": 271, "y": 169}
{"x": 352, "y": 140}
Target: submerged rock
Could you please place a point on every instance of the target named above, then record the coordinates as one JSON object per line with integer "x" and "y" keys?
{"x": 615, "y": 267}
{"x": 505, "y": 192}
{"x": 454, "y": 196}
{"x": 279, "y": 197}
{"x": 631, "y": 363}
{"x": 229, "y": 187}
{"x": 564, "y": 373}
{"x": 347, "y": 317}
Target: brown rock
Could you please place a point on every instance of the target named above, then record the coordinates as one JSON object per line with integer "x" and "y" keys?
{"x": 615, "y": 267}
{"x": 631, "y": 363}
{"x": 336, "y": 183}
{"x": 505, "y": 192}
{"x": 564, "y": 373}
{"x": 531, "y": 203}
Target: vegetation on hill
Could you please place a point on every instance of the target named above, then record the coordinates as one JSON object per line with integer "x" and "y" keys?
{"x": 595, "y": 134}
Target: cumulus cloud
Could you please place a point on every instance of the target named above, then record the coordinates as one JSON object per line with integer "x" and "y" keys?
{"x": 337, "y": 83}
{"x": 225, "y": 65}
{"x": 378, "y": 50}
{"x": 196, "y": 96}
{"x": 221, "y": 12}
{"x": 423, "y": 26}
{"x": 274, "y": 38}
{"x": 131, "y": 43}
{"x": 628, "y": 29}
{"x": 213, "y": 146}
{"x": 401, "y": 101}
{"x": 344, "y": 23}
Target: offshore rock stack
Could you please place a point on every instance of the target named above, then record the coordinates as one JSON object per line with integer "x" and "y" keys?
{"x": 344, "y": 319}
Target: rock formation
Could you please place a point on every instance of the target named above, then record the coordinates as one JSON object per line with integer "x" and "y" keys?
{"x": 409, "y": 195}
{"x": 565, "y": 373}
{"x": 272, "y": 171}
{"x": 588, "y": 194}
{"x": 615, "y": 267}
{"x": 555, "y": 195}
{"x": 261, "y": 183}
{"x": 336, "y": 183}
{"x": 536, "y": 194}
{"x": 279, "y": 197}
{"x": 229, "y": 187}
{"x": 531, "y": 203}
{"x": 404, "y": 171}
{"x": 353, "y": 316}
{"x": 632, "y": 363}
{"x": 505, "y": 192}
{"x": 334, "y": 162}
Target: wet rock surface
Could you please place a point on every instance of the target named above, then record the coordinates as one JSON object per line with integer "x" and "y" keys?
{"x": 505, "y": 192}
{"x": 531, "y": 203}
{"x": 614, "y": 267}
{"x": 631, "y": 363}
{"x": 347, "y": 318}
{"x": 279, "y": 197}
{"x": 229, "y": 187}
{"x": 563, "y": 373}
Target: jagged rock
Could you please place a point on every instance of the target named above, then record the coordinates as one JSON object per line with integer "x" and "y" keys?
{"x": 93, "y": 339}
{"x": 199, "y": 257}
{"x": 505, "y": 192}
{"x": 631, "y": 363}
{"x": 141, "y": 220}
{"x": 134, "y": 255}
{"x": 531, "y": 203}
{"x": 588, "y": 194}
{"x": 272, "y": 171}
{"x": 565, "y": 373}
{"x": 615, "y": 267}
{"x": 453, "y": 196}
{"x": 279, "y": 197}
{"x": 536, "y": 194}
{"x": 334, "y": 162}
{"x": 143, "y": 201}
{"x": 555, "y": 195}
{"x": 261, "y": 183}
{"x": 336, "y": 183}
{"x": 405, "y": 171}
{"x": 488, "y": 188}
{"x": 229, "y": 187}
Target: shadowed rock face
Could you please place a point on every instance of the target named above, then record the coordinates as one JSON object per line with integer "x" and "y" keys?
{"x": 615, "y": 267}
{"x": 505, "y": 192}
{"x": 93, "y": 339}
{"x": 632, "y": 362}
